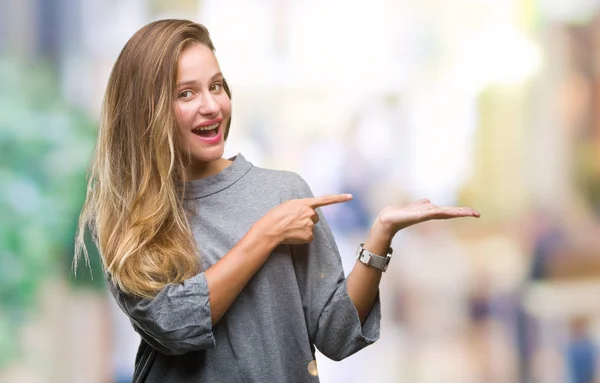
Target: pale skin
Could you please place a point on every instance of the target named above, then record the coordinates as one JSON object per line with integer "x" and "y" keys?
{"x": 200, "y": 99}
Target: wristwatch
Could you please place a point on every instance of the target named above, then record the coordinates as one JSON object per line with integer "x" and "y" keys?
{"x": 374, "y": 260}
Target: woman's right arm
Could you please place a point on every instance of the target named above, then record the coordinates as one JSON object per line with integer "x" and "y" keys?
{"x": 229, "y": 275}
{"x": 180, "y": 317}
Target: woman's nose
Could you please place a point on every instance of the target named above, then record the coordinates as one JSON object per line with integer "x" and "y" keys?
{"x": 209, "y": 106}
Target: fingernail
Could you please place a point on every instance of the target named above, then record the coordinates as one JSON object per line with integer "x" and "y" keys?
{"x": 348, "y": 195}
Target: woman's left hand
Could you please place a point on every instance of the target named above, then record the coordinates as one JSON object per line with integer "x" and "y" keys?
{"x": 395, "y": 218}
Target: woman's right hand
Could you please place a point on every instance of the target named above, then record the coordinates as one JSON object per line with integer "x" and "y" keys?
{"x": 293, "y": 221}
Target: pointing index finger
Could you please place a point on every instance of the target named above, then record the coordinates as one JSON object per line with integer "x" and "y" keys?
{"x": 328, "y": 199}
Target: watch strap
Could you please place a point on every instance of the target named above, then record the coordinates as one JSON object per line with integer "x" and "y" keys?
{"x": 374, "y": 260}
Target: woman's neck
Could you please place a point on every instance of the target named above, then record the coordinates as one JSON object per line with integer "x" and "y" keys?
{"x": 198, "y": 171}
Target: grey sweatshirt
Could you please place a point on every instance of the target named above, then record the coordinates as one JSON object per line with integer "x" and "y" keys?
{"x": 296, "y": 301}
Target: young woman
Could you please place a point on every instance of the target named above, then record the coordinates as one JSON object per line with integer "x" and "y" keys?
{"x": 227, "y": 271}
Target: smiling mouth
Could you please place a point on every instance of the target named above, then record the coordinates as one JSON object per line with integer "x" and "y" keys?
{"x": 207, "y": 131}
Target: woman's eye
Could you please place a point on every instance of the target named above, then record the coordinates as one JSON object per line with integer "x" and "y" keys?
{"x": 216, "y": 87}
{"x": 185, "y": 94}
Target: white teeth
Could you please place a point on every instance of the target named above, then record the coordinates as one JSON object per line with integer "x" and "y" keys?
{"x": 209, "y": 127}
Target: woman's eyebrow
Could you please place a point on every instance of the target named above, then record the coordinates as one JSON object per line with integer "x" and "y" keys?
{"x": 194, "y": 82}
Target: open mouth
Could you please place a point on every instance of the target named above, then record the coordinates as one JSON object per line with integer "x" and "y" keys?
{"x": 208, "y": 131}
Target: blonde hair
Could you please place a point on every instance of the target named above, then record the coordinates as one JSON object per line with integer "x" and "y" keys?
{"x": 134, "y": 204}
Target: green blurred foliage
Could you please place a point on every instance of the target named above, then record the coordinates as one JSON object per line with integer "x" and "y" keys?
{"x": 45, "y": 147}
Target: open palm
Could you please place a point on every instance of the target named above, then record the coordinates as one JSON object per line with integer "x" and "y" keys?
{"x": 395, "y": 218}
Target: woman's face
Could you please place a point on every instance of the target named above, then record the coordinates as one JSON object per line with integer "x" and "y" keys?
{"x": 201, "y": 104}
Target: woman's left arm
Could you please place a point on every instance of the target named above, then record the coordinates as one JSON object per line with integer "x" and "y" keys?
{"x": 343, "y": 313}
{"x": 363, "y": 281}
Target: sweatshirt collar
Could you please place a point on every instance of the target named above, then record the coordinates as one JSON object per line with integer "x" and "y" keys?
{"x": 217, "y": 182}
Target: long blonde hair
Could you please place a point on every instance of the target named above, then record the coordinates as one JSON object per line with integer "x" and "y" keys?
{"x": 134, "y": 205}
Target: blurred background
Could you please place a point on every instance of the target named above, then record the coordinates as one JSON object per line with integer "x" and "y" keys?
{"x": 489, "y": 104}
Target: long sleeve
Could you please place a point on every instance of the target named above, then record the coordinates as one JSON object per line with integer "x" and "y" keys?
{"x": 332, "y": 320}
{"x": 176, "y": 321}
